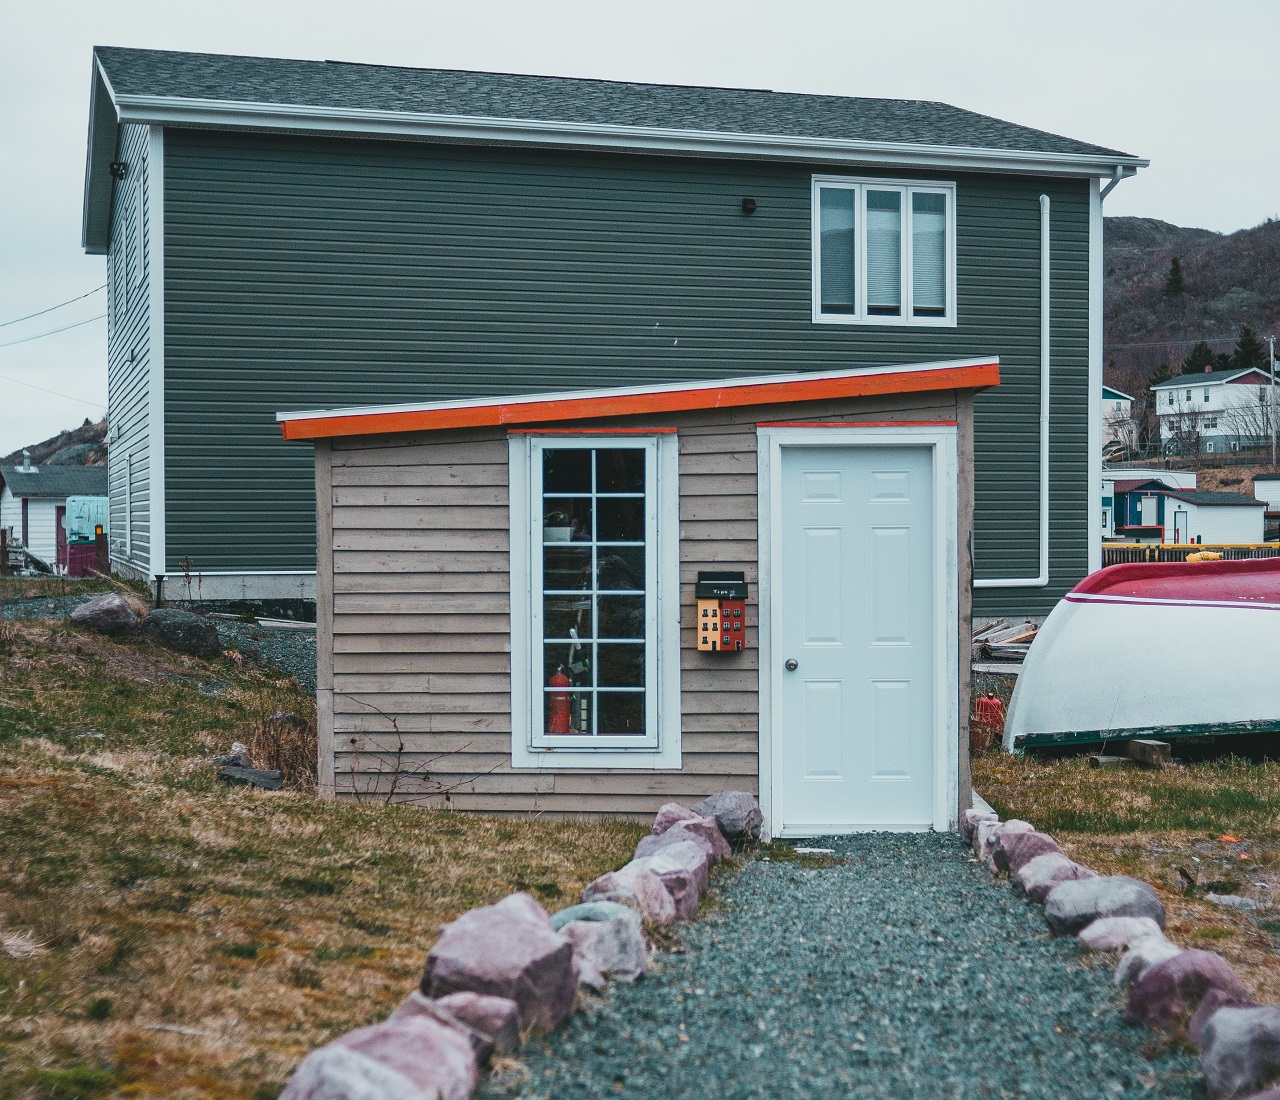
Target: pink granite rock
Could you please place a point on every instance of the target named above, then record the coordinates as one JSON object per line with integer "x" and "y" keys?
{"x": 1171, "y": 991}
{"x": 702, "y": 831}
{"x": 415, "y": 1004}
{"x": 984, "y": 834}
{"x": 638, "y": 885}
{"x": 1142, "y": 956}
{"x": 404, "y": 1058}
{"x": 736, "y": 812}
{"x": 1209, "y": 1004}
{"x": 1116, "y": 933}
{"x": 669, "y": 814}
{"x": 615, "y": 948}
{"x": 1011, "y": 851}
{"x": 507, "y": 950}
{"x": 682, "y": 869}
{"x": 969, "y": 822}
{"x": 687, "y": 855}
{"x": 1240, "y": 1051}
{"x": 1038, "y": 876}
{"x": 493, "y": 1022}
{"x": 1072, "y": 905}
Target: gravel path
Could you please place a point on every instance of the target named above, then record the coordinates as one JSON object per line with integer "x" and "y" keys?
{"x": 902, "y": 971}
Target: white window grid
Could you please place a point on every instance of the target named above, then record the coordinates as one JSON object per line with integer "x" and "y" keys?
{"x": 860, "y": 316}
{"x": 538, "y": 546}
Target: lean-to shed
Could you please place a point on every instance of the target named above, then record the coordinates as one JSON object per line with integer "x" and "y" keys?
{"x": 510, "y": 607}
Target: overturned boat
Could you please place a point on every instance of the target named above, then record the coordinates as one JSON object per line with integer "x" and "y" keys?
{"x": 1168, "y": 651}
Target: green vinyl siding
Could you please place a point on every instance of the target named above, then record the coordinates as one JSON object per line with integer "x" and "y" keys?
{"x": 308, "y": 273}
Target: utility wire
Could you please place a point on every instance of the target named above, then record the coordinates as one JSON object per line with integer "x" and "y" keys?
{"x": 53, "y": 331}
{"x": 41, "y": 313}
{"x": 32, "y": 385}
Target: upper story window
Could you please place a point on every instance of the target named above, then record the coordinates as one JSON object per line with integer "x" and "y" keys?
{"x": 883, "y": 252}
{"x": 1206, "y": 393}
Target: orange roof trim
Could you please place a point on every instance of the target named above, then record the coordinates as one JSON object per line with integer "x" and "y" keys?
{"x": 967, "y": 374}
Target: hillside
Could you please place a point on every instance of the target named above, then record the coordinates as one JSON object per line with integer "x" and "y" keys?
{"x": 82, "y": 446}
{"x": 1230, "y": 280}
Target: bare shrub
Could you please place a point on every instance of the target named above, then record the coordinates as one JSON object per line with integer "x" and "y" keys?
{"x": 285, "y": 742}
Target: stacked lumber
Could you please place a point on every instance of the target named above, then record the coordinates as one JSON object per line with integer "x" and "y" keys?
{"x": 1001, "y": 641}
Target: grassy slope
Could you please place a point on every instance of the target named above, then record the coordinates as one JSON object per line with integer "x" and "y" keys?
{"x": 1148, "y": 824}
{"x": 162, "y": 934}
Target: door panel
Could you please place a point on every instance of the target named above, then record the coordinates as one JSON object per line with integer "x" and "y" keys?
{"x": 856, "y": 615}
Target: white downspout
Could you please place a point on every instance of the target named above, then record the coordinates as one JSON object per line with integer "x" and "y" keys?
{"x": 1041, "y": 579}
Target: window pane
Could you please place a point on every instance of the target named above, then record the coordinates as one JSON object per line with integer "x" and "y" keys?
{"x": 567, "y": 660}
{"x": 565, "y": 567}
{"x": 620, "y": 470}
{"x": 620, "y": 664}
{"x": 837, "y": 217}
{"x": 566, "y": 519}
{"x": 569, "y": 712}
{"x": 566, "y": 616}
{"x": 620, "y": 568}
{"x": 884, "y": 253}
{"x": 566, "y": 471}
{"x": 621, "y": 712}
{"x": 621, "y": 616}
{"x": 621, "y": 519}
{"x": 929, "y": 255}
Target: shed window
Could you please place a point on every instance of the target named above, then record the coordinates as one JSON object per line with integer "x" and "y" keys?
{"x": 592, "y": 643}
{"x": 884, "y": 252}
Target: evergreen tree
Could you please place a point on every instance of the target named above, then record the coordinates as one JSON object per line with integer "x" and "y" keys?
{"x": 1201, "y": 356}
{"x": 1174, "y": 284}
{"x": 1250, "y": 351}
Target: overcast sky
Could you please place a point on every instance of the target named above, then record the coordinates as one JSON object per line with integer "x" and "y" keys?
{"x": 1190, "y": 85}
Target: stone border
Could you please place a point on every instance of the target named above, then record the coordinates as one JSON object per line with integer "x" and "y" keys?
{"x": 503, "y": 973}
{"x": 1170, "y": 988}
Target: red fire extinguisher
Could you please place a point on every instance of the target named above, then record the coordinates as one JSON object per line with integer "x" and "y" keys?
{"x": 558, "y": 704}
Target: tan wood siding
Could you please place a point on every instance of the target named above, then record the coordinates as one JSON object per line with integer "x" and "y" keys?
{"x": 415, "y": 531}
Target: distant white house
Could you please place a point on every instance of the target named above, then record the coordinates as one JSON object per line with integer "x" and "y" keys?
{"x": 1150, "y": 511}
{"x": 33, "y": 503}
{"x": 1214, "y": 412}
{"x": 1117, "y": 419}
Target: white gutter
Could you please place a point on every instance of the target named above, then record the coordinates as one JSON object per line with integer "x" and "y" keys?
{"x": 222, "y": 114}
{"x": 1041, "y": 579}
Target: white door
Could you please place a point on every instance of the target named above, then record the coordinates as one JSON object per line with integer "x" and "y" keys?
{"x": 855, "y": 634}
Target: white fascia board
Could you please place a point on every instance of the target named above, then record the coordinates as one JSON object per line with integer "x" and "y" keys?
{"x": 101, "y": 142}
{"x": 637, "y": 391}
{"x": 228, "y": 114}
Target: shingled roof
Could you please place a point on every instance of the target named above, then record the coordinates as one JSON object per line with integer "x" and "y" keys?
{"x": 159, "y": 87}
{"x": 55, "y": 482}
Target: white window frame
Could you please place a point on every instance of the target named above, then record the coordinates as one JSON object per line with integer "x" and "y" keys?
{"x": 861, "y": 184}
{"x": 531, "y": 748}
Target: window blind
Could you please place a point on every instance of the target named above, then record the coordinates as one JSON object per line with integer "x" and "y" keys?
{"x": 884, "y": 252}
{"x": 928, "y": 255}
{"x": 837, "y": 226}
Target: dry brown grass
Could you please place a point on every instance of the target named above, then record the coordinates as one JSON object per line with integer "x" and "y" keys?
{"x": 172, "y": 936}
{"x": 1165, "y": 827}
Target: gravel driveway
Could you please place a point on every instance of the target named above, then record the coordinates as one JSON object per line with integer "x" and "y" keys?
{"x": 902, "y": 971}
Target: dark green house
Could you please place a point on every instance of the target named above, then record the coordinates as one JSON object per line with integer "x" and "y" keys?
{"x": 298, "y": 235}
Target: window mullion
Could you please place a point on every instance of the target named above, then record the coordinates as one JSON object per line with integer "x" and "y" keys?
{"x": 908, "y": 255}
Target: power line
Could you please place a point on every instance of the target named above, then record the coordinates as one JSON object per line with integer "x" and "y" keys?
{"x": 32, "y": 385}
{"x": 53, "y": 331}
{"x": 41, "y": 313}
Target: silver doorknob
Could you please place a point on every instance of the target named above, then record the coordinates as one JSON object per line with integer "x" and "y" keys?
{"x": 792, "y": 664}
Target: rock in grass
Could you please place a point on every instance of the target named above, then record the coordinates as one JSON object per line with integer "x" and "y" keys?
{"x": 1116, "y": 933}
{"x": 703, "y": 831}
{"x": 1209, "y": 1004}
{"x": 507, "y": 950}
{"x": 594, "y": 911}
{"x": 498, "y": 1018}
{"x": 636, "y": 885}
{"x": 456, "y": 1011}
{"x": 1071, "y": 906}
{"x": 1233, "y": 901}
{"x": 736, "y": 812}
{"x": 109, "y": 613}
{"x": 969, "y": 822}
{"x": 1240, "y": 1051}
{"x": 614, "y": 947}
{"x": 404, "y": 1058}
{"x": 1012, "y": 850}
{"x": 1038, "y": 876}
{"x": 688, "y": 856}
{"x": 984, "y": 834}
{"x": 183, "y": 631}
{"x": 1142, "y": 956}
{"x": 1167, "y": 994}
{"x": 682, "y": 869}
{"x": 669, "y": 814}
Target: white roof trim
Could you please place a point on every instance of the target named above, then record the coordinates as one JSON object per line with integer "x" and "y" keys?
{"x": 180, "y": 111}
{"x": 636, "y": 391}
{"x": 1191, "y": 381}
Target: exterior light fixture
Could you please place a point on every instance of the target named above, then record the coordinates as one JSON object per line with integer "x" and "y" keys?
{"x": 748, "y": 206}
{"x": 118, "y": 169}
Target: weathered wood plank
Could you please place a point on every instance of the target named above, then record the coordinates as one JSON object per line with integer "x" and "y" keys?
{"x": 717, "y": 509}
{"x": 732, "y": 464}
{"x": 432, "y": 744}
{"x": 432, "y": 683}
{"x": 410, "y": 642}
{"x": 723, "y": 442}
{"x": 718, "y": 484}
{"x": 422, "y": 561}
{"x": 420, "y": 496}
{"x": 449, "y": 519}
{"x": 747, "y": 722}
{"x": 370, "y": 721}
{"x": 720, "y": 741}
{"x": 495, "y": 604}
{"x": 718, "y": 531}
{"x": 706, "y": 554}
{"x": 674, "y": 784}
{"x": 1150, "y": 754}
{"x": 479, "y": 452}
{"x": 426, "y": 663}
{"x": 398, "y": 703}
{"x": 478, "y": 474}
{"x": 372, "y": 784}
{"x": 462, "y": 541}
{"x": 413, "y": 584}
{"x": 461, "y": 625}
